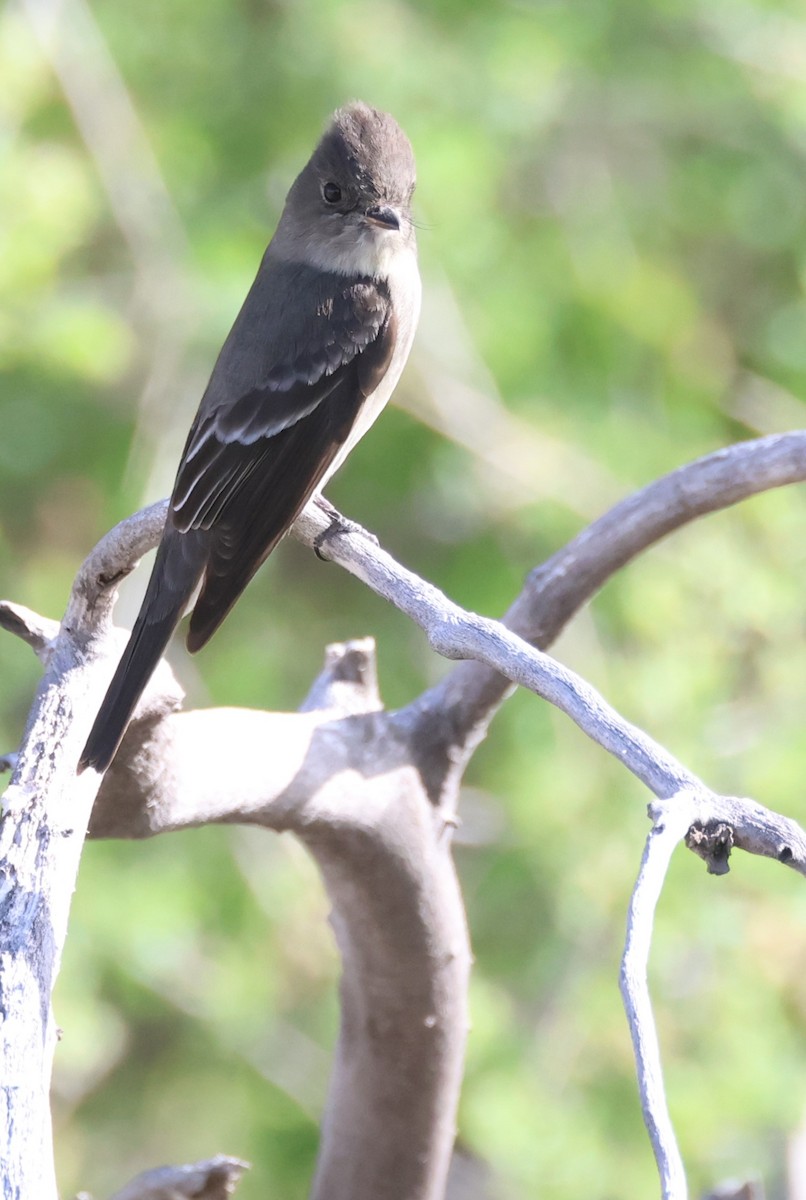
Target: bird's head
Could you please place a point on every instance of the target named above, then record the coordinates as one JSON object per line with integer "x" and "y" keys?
{"x": 349, "y": 210}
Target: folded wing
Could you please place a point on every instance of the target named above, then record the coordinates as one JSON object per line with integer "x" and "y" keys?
{"x": 271, "y": 423}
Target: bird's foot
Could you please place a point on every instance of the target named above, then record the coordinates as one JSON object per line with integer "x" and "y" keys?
{"x": 338, "y": 524}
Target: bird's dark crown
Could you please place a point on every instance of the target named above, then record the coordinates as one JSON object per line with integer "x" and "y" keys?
{"x": 368, "y": 146}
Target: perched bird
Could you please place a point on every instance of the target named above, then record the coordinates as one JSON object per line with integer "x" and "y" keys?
{"x": 311, "y": 360}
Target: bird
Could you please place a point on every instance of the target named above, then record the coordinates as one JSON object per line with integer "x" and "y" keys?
{"x": 312, "y": 358}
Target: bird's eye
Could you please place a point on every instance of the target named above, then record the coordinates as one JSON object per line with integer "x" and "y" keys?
{"x": 331, "y": 193}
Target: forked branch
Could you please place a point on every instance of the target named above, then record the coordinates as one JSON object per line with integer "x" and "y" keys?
{"x": 373, "y": 795}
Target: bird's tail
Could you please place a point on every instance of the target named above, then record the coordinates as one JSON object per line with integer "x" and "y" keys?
{"x": 169, "y": 590}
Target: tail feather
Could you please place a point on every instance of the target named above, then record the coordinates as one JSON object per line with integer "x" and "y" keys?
{"x": 166, "y": 596}
{"x": 263, "y": 507}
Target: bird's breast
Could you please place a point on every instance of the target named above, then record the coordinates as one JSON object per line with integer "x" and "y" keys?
{"x": 405, "y": 291}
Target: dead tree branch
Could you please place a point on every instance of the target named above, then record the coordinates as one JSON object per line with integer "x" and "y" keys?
{"x": 373, "y": 796}
{"x": 215, "y": 1179}
{"x": 671, "y": 820}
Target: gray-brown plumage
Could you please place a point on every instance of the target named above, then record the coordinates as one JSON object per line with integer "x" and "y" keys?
{"x": 311, "y": 360}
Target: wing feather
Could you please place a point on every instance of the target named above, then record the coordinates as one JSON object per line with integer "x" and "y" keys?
{"x": 341, "y": 330}
{"x": 257, "y": 451}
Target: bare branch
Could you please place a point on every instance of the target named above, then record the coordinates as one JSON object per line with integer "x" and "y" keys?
{"x": 456, "y": 633}
{"x": 566, "y": 580}
{"x": 554, "y": 592}
{"x": 756, "y": 830}
{"x": 558, "y": 588}
{"x": 371, "y": 794}
{"x": 94, "y": 592}
{"x": 45, "y": 815}
{"x": 215, "y": 1179}
{"x": 37, "y": 632}
{"x": 671, "y": 819}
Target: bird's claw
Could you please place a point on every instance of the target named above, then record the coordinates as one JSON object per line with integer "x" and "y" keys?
{"x": 338, "y": 524}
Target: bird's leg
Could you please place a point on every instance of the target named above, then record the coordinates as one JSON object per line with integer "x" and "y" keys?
{"x": 339, "y": 524}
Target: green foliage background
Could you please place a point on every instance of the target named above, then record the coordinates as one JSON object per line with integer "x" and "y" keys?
{"x": 613, "y": 245}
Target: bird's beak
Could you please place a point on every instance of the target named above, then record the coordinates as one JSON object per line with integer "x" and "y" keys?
{"x": 384, "y": 216}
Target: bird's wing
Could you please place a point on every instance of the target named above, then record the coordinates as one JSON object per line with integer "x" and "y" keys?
{"x": 344, "y": 331}
{"x": 257, "y": 452}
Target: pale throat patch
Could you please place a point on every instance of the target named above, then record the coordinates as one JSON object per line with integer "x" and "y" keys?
{"x": 357, "y": 251}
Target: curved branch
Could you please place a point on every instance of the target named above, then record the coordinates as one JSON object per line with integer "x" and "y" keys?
{"x": 95, "y": 588}
{"x": 557, "y": 589}
{"x": 371, "y": 794}
{"x": 455, "y": 633}
{"x": 461, "y": 706}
